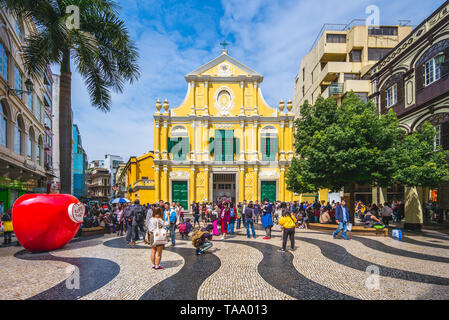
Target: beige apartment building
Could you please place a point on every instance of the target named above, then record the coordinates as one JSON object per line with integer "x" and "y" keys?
{"x": 25, "y": 117}
{"x": 340, "y": 57}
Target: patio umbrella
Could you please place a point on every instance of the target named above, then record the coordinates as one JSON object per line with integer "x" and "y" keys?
{"x": 119, "y": 200}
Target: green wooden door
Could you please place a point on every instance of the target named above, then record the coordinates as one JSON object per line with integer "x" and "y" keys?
{"x": 268, "y": 190}
{"x": 180, "y": 193}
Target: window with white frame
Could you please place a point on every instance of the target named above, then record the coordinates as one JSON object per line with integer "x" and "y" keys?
{"x": 432, "y": 71}
{"x": 392, "y": 95}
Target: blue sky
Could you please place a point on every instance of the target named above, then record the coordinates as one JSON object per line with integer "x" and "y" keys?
{"x": 176, "y": 37}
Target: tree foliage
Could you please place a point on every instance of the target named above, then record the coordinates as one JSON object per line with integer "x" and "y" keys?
{"x": 418, "y": 162}
{"x": 339, "y": 145}
{"x": 352, "y": 143}
{"x": 101, "y": 48}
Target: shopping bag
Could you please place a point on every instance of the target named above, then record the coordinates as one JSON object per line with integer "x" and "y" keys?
{"x": 397, "y": 234}
{"x": 349, "y": 227}
{"x": 160, "y": 236}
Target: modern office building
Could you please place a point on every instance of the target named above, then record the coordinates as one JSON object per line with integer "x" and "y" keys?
{"x": 340, "y": 56}
{"x": 79, "y": 166}
{"x": 413, "y": 81}
{"x": 25, "y": 117}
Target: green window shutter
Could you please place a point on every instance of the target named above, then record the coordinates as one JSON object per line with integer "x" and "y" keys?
{"x": 218, "y": 145}
{"x": 186, "y": 147}
{"x": 176, "y": 148}
{"x": 275, "y": 150}
{"x": 268, "y": 148}
{"x": 169, "y": 145}
{"x": 211, "y": 146}
{"x": 236, "y": 145}
{"x": 229, "y": 145}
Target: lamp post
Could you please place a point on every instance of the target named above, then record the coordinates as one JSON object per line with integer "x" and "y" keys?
{"x": 28, "y": 85}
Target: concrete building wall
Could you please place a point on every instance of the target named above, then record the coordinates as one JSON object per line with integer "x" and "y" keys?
{"x": 322, "y": 71}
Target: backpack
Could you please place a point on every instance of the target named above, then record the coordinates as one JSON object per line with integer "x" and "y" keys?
{"x": 197, "y": 238}
{"x": 183, "y": 228}
{"x": 139, "y": 214}
{"x": 232, "y": 214}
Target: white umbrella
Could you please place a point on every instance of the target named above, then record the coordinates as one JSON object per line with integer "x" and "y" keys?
{"x": 119, "y": 200}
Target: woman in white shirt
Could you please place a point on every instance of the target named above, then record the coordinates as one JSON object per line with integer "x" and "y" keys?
{"x": 156, "y": 222}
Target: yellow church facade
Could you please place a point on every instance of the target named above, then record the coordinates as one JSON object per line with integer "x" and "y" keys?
{"x": 224, "y": 140}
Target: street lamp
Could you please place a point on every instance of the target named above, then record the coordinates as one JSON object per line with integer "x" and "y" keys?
{"x": 28, "y": 85}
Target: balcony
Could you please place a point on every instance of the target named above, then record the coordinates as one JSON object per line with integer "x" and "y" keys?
{"x": 336, "y": 89}
{"x": 333, "y": 69}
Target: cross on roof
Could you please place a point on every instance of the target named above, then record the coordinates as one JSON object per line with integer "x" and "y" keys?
{"x": 224, "y": 44}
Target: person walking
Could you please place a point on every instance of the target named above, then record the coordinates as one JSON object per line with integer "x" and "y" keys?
{"x": 257, "y": 211}
{"x": 224, "y": 219}
{"x": 170, "y": 219}
{"x": 7, "y": 227}
{"x": 129, "y": 217}
{"x": 249, "y": 216}
{"x": 196, "y": 214}
{"x": 288, "y": 223}
{"x": 138, "y": 219}
{"x": 156, "y": 223}
{"x": 120, "y": 221}
{"x": 232, "y": 218}
{"x": 239, "y": 215}
{"x": 342, "y": 219}
{"x": 267, "y": 219}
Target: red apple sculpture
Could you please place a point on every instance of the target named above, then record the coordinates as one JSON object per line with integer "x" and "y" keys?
{"x": 45, "y": 222}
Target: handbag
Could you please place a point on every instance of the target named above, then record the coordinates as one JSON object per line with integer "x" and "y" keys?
{"x": 349, "y": 226}
{"x": 159, "y": 236}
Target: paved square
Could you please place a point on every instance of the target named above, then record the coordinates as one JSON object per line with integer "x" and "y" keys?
{"x": 236, "y": 268}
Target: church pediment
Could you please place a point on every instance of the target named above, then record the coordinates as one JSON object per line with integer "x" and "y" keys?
{"x": 224, "y": 66}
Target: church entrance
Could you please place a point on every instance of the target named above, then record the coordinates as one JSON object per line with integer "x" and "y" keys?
{"x": 224, "y": 187}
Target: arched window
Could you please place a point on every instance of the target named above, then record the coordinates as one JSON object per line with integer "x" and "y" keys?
{"x": 3, "y": 63}
{"x": 3, "y": 126}
{"x": 39, "y": 151}
{"x": 30, "y": 144}
{"x": 269, "y": 143}
{"x": 18, "y": 135}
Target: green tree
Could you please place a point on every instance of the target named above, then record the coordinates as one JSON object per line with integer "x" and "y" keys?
{"x": 100, "y": 48}
{"x": 419, "y": 163}
{"x": 339, "y": 146}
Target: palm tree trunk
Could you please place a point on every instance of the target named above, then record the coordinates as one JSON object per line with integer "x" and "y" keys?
{"x": 65, "y": 124}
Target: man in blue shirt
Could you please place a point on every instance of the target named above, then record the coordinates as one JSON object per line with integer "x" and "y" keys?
{"x": 170, "y": 219}
{"x": 342, "y": 218}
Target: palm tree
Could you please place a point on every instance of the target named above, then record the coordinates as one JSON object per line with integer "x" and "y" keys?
{"x": 101, "y": 50}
